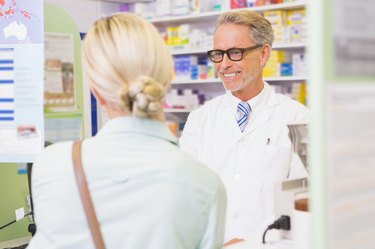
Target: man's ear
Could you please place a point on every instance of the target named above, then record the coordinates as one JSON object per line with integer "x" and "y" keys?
{"x": 265, "y": 54}
{"x": 97, "y": 96}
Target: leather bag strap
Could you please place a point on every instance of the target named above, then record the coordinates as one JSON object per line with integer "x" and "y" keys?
{"x": 86, "y": 198}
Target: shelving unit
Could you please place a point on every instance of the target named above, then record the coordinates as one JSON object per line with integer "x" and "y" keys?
{"x": 280, "y": 46}
{"x": 205, "y": 21}
{"x": 189, "y": 81}
{"x": 218, "y": 81}
{"x": 285, "y": 78}
{"x": 175, "y": 110}
{"x": 206, "y": 16}
{"x": 125, "y": 1}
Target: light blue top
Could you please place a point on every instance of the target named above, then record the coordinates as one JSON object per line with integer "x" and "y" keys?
{"x": 147, "y": 193}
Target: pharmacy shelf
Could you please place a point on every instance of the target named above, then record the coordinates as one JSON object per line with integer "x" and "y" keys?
{"x": 215, "y": 81}
{"x": 187, "y": 51}
{"x": 189, "y": 81}
{"x": 298, "y": 4}
{"x": 172, "y": 110}
{"x": 285, "y": 46}
{"x": 125, "y": 1}
{"x": 285, "y": 78}
{"x": 200, "y": 17}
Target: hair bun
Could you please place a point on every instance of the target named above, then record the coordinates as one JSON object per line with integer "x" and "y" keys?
{"x": 146, "y": 96}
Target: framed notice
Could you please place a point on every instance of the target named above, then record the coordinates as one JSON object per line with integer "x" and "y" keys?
{"x": 59, "y": 83}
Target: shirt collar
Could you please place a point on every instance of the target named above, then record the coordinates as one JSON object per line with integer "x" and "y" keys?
{"x": 129, "y": 124}
{"x": 256, "y": 103}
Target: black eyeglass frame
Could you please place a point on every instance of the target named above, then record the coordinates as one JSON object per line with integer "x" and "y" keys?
{"x": 243, "y": 50}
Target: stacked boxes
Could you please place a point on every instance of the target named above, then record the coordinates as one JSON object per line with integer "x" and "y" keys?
{"x": 296, "y": 20}
{"x": 184, "y": 99}
{"x": 178, "y": 35}
{"x": 278, "y": 20}
{"x": 185, "y": 7}
{"x": 184, "y": 37}
{"x": 283, "y": 63}
{"x": 299, "y": 64}
{"x": 193, "y": 67}
{"x": 289, "y": 26}
{"x": 295, "y": 90}
{"x": 278, "y": 64}
{"x": 298, "y": 92}
{"x": 163, "y": 8}
{"x": 181, "y": 7}
{"x": 235, "y": 4}
{"x": 182, "y": 65}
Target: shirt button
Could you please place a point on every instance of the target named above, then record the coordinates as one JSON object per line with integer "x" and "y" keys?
{"x": 237, "y": 177}
{"x": 235, "y": 214}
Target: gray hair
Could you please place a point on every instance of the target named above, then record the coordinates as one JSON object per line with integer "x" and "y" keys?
{"x": 260, "y": 28}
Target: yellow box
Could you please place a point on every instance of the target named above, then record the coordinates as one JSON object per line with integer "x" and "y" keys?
{"x": 296, "y": 20}
{"x": 278, "y": 21}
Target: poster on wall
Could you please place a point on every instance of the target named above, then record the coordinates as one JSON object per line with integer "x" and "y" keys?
{"x": 59, "y": 86}
{"x": 21, "y": 80}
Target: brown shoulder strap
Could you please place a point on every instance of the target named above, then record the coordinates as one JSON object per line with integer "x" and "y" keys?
{"x": 85, "y": 197}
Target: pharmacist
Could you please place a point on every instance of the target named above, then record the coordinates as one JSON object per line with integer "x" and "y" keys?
{"x": 243, "y": 134}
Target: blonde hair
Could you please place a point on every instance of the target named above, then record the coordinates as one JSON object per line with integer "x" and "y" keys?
{"x": 128, "y": 63}
{"x": 260, "y": 28}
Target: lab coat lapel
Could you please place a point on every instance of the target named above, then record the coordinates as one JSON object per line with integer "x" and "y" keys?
{"x": 261, "y": 119}
{"x": 264, "y": 114}
{"x": 227, "y": 119}
{"x": 230, "y": 120}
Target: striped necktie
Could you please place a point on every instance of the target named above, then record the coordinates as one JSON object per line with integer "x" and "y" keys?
{"x": 243, "y": 111}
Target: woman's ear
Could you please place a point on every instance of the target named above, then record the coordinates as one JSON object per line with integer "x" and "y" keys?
{"x": 97, "y": 96}
{"x": 265, "y": 54}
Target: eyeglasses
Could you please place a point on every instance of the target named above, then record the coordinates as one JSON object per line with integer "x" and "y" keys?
{"x": 234, "y": 54}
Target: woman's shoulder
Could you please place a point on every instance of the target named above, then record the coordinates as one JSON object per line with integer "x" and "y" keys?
{"x": 57, "y": 148}
{"x": 54, "y": 154}
{"x": 195, "y": 172}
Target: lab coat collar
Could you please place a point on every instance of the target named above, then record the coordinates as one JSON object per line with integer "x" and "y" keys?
{"x": 264, "y": 107}
{"x": 129, "y": 124}
{"x": 265, "y": 99}
{"x": 261, "y": 108}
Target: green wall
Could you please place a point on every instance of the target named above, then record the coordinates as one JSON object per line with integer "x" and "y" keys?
{"x": 13, "y": 193}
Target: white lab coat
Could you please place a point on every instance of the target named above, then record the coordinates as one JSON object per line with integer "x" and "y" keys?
{"x": 249, "y": 163}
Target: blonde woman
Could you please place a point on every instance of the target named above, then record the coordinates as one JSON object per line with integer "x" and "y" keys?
{"x": 146, "y": 192}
